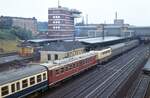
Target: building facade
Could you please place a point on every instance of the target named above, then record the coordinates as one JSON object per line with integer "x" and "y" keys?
{"x": 61, "y": 22}
{"x": 61, "y": 50}
{"x": 25, "y": 23}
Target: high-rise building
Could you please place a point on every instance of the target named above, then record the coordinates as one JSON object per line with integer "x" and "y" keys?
{"x": 61, "y": 22}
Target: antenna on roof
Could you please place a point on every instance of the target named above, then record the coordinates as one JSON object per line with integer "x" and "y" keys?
{"x": 86, "y": 18}
{"x": 116, "y": 15}
{"x": 58, "y": 4}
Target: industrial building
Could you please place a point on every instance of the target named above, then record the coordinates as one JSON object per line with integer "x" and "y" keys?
{"x": 118, "y": 28}
{"x": 61, "y": 22}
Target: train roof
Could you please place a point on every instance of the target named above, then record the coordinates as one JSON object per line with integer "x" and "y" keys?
{"x": 116, "y": 46}
{"x": 132, "y": 41}
{"x": 10, "y": 59}
{"x": 59, "y": 63}
{"x": 147, "y": 66}
{"x": 16, "y": 74}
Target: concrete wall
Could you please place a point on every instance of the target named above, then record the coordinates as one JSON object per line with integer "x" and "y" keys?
{"x": 61, "y": 55}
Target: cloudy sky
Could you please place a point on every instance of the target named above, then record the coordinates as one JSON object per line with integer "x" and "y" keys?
{"x": 135, "y": 12}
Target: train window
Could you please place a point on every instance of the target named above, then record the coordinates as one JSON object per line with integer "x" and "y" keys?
{"x": 78, "y": 64}
{"x": 4, "y": 90}
{"x": 57, "y": 71}
{"x": 66, "y": 68}
{"x": 32, "y": 80}
{"x": 24, "y": 83}
{"x": 39, "y": 78}
{"x": 74, "y": 65}
{"x": 18, "y": 86}
{"x": 85, "y": 60}
{"x": 44, "y": 76}
{"x": 69, "y": 66}
{"x": 13, "y": 88}
{"x": 62, "y": 70}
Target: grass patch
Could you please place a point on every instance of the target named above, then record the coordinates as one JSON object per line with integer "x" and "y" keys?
{"x": 9, "y": 45}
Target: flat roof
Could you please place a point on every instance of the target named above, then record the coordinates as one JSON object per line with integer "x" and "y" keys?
{"x": 98, "y": 39}
{"x": 53, "y": 39}
{"x": 81, "y": 39}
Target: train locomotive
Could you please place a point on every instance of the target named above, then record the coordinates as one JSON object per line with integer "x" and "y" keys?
{"x": 24, "y": 81}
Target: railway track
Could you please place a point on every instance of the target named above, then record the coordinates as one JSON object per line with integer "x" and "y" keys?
{"x": 122, "y": 79}
{"x": 8, "y": 54}
{"x": 83, "y": 86}
{"x": 140, "y": 88}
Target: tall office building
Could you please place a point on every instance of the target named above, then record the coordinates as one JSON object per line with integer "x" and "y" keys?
{"x": 61, "y": 22}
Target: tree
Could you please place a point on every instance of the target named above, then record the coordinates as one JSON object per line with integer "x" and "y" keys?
{"x": 21, "y": 33}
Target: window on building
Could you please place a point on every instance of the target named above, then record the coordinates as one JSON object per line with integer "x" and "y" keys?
{"x": 24, "y": 83}
{"x": 56, "y": 57}
{"x": 54, "y": 16}
{"x": 49, "y": 56}
{"x": 4, "y": 90}
{"x": 44, "y": 76}
{"x": 18, "y": 86}
{"x": 39, "y": 78}
{"x": 58, "y": 27}
{"x": 58, "y": 22}
{"x": 58, "y": 16}
{"x": 13, "y": 88}
{"x": 53, "y": 27}
{"x": 32, "y": 80}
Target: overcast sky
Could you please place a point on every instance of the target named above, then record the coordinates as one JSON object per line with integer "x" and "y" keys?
{"x": 135, "y": 12}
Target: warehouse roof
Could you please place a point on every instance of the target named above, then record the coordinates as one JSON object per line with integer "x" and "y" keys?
{"x": 63, "y": 46}
{"x": 98, "y": 39}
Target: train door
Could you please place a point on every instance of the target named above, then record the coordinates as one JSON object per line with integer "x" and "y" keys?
{"x": 50, "y": 77}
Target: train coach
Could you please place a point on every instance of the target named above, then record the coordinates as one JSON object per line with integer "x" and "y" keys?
{"x": 146, "y": 68}
{"x": 24, "y": 81}
{"x": 62, "y": 69}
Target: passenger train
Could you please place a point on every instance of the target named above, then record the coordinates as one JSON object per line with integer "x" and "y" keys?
{"x": 24, "y": 81}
